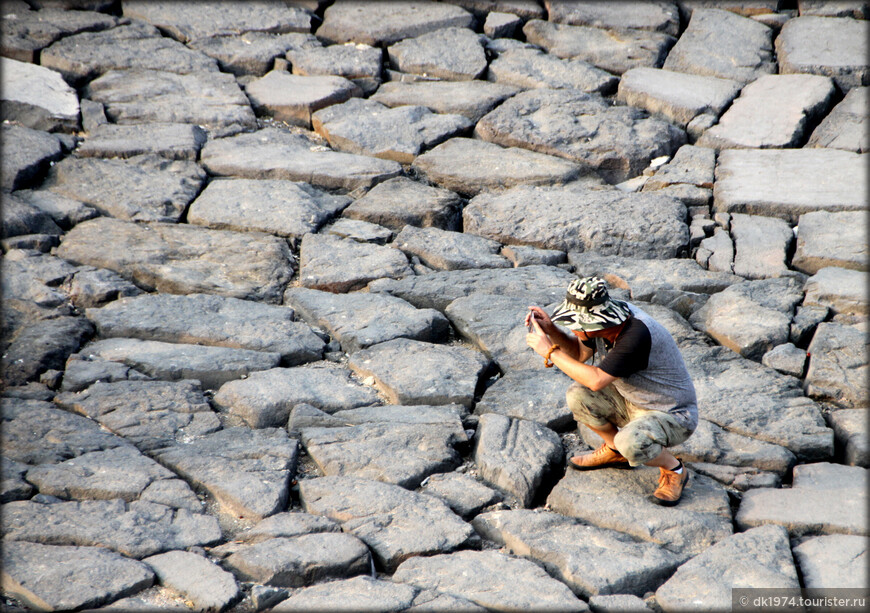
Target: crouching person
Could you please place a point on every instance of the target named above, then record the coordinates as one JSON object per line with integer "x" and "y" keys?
{"x": 639, "y": 398}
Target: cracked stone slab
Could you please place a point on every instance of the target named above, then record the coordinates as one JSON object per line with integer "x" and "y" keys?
{"x": 252, "y": 53}
{"x": 619, "y": 500}
{"x": 490, "y": 579}
{"x": 604, "y": 221}
{"x": 65, "y": 212}
{"x": 365, "y": 127}
{"x": 761, "y": 245}
{"x": 838, "y": 365}
{"x": 832, "y": 561}
{"x": 845, "y": 126}
{"x": 471, "y": 99}
{"x": 468, "y": 166}
{"x": 136, "y": 529}
{"x": 26, "y": 32}
{"x": 449, "y": 53}
{"x": 824, "y": 499}
{"x": 331, "y": 263}
{"x": 149, "y": 414}
{"x": 42, "y": 346}
{"x": 719, "y": 43}
{"x": 758, "y": 558}
{"x": 401, "y": 201}
{"x": 28, "y": 163}
{"x": 247, "y": 471}
{"x": 210, "y": 99}
{"x": 57, "y": 578}
{"x": 294, "y": 99}
{"x": 265, "y": 399}
{"x": 850, "y": 427}
{"x": 465, "y": 495}
{"x": 658, "y": 17}
{"x": 12, "y": 483}
{"x": 613, "y": 52}
{"x": 531, "y": 68}
{"x": 359, "y": 63}
{"x": 831, "y": 239}
{"x": 200, "y": 581}
{"x": 274, "y": 154}
{"x": 37, "y": 97}
{"x": 591, "y": 561}
{"x": 516, "y": 455}
{"x": 287, "y": 525}
{"x": 788, "y": 183}
{"x": 616, "y": 141}
{"x": 535, "y": 395}
{"x": 840, "y": 289}
{"x": 204, "y": 319}
{"x": 142, "y": 188}
{"x": 183, "y": 259}
{"x": 448, "y": 250}
{"x": 176, "y": 141}
{"x": 414, "y": 372}
{"x": 360, "y": 320}
{"x": 395, "y": 523}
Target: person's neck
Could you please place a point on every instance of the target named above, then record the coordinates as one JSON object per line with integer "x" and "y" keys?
{"x": 610, "y": 334}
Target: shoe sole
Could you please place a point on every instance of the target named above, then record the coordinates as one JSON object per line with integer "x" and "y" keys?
{"x": 620, "y": 465}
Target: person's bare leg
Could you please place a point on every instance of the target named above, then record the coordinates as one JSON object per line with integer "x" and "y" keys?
{"x": 607, "y": 433}
{"x": 664, "y": 460}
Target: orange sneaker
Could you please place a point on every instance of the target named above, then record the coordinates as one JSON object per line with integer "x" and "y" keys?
{"x": 603, "y": 457}
{"x": 670, "y": 488}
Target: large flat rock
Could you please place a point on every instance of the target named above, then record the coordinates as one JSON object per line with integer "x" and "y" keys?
{"x": 530, "y": 68}
{"x": 37, "y": 97}
{"x": 465, "y": 495}
{"x": 536, "y": 395}
{"x": 273, "y": 154}
{"x": 27, "y": 164}
{"x": 471, "y": 99}
{"x": 266, "y": 398}
{"x": 720, "y": 43}
{"x": 662, "y": 17}
{"x": 361, "y": 64}
{"x": 252, "y": 53}
{"x": 149, "y": 414}
{"x": 415, "y": 372}
{"x": 359, "y": 320}
{"x": 401, "y": 201}
{"x": 491, "y": 579}
{"x": 176, "y": 141}
{"x": 195, "y": 577}
{"x": 453, "y": 54}
{"x": 591, "y": 561}
{"x": 607, "y": 222}
{"x": 26, "y": 31}
{"x": 183, "y": 259}
{"x": 136, "y": 529}
{"x": 619, "y": 500}
{"x": 840, "y": 289}
{"x": 773, "y": 111}
{"x": 359, "y": 22}
{"x": 850, "y": 427}
{"x": 448, "y": 250}
{"x": 468, "y": 166}
{"x": 395, "y": 523}
{"x": 52, "y": 578}
{"x": 335, "y": 264}
{"x": 844, "y": 127}
{"x": 833, "y": 47}
{"x": 832, "y": 561}
{"x": 831, "y": 239}
{"x": 248, "y": 472}
{"x": 758, "y": 558}
{"x": 210, "y": 99}
{"x": 761, "y": 246}
{"x": 293, "y": 99}
{"x": 838, "y": 365}
{"x": 213, "y": 366}
{"x": 824, "y": 499}
{"x": 789, "y": 183}
{"x": 143, "y": 188}
{"x": 21, "y": 218}
{"x": 616, "y": 141}
{"x": 613, "y": 52}
{"x": 42, "y": 346}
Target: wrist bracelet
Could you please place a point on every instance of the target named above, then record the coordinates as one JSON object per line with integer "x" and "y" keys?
{"x": 547, "y": 362}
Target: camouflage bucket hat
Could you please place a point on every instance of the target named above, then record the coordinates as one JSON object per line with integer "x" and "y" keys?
{"x": 588, "y": 307}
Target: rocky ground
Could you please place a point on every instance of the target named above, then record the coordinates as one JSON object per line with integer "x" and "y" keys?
{"x": 265, "y": 267}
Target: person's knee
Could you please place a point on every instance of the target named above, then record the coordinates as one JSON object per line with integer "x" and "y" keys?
{"x": 636, "y": 445}
{"x": 582, "y": 403}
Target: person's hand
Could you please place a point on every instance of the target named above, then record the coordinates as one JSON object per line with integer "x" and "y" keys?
{"x": 540, "y": 315}
{"x": 537, "y": 339}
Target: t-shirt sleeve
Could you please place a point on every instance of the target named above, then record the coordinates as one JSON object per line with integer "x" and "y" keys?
{"x": 630, "y": 354}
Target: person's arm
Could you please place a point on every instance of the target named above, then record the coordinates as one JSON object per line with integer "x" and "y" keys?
{"x": 589, "y": 376}
{"x": 568, "y": 343}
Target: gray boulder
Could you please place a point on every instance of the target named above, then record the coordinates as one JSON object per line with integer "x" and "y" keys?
{"x": 774, "y": 111}
{"x": 359, "y": 22}
{"x": 200, "y": 581}
{"x": 841, "y": 289}
{"x": 614, "y": 52}
{"x": 831, "y": 239}
{"x": 360, "y": 231}
{"x": 265, "y": 399}
{"x": 531, "y": 68}
{"x": 447, "y": 250}
{"x": 400, "y": 201}
{"x": 137, "y": 529}
{"x": 832, "y": 561}
{"x": 833, "y": 47}
{"x": 369, "y": 128}
{"x": 787, "y": 359}
{"x": 252, "y": 53}
{"x": 465, "y": 495}
{"x": 293, "y": 99}
{"x": 248, "y": 472}
{"x": 12, "y": 483}
{"x": 42, "y": 346}
{"x": 663, "y": 17}
{"x": 469, "y": 166}
{"x": 838, "y": 365}
{"x": 591, "y": 561}
{"x": 804, "y": 323}
{"x": 176, "y": 141}
{"x": 719, "y": 43}
{"x": 758, "y": 558}
{"x": 490, "y": 579}
{"x": 690, "y": 166}
{"x": 449, "y": 53}
{"x": 537, "y": 395}
{"x": 143, "y": 188}
{"x": 844, "y": 127}
{"x": 516, "y": 455}
{"x": 287, "y": 525}
{"x": 359, "y": 320}
{"x": 617, "y": 141}
{"x": 37, "y": 97}
{"x": 824, "y": 499}
{"x": 850, "y": 427}
{"x": 737, "y": 478}
{"x": 676, "y": 96}
{"x": 522, "y": 255}
{"x": 149, "y": 414}
{"x": 274, "y": 154}
{"x": 182, "y": 258}
{"x": 65, "y": 212}
{"x": 26, "y": 31}
{"x": 471, "y": 99}
{"x": 334, "y": 264}
{"x": 395, "y": 523}
{"x": 607, "y": 222}
{"x": 55, "y": 578}
{"x": 762, "y": 245}
{"x": 27, "y": 164}
{"x": 414, "y": 372}
{"x": 360, "y": 64}
{"x": 210, "y": 99}
{"x": 832, "y": 9}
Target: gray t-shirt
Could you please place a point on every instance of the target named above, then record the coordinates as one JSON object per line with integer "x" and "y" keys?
{"x": 664, "y": 384}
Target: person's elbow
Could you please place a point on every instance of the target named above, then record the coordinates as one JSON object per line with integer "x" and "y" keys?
{"x": 600, "y": 380}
